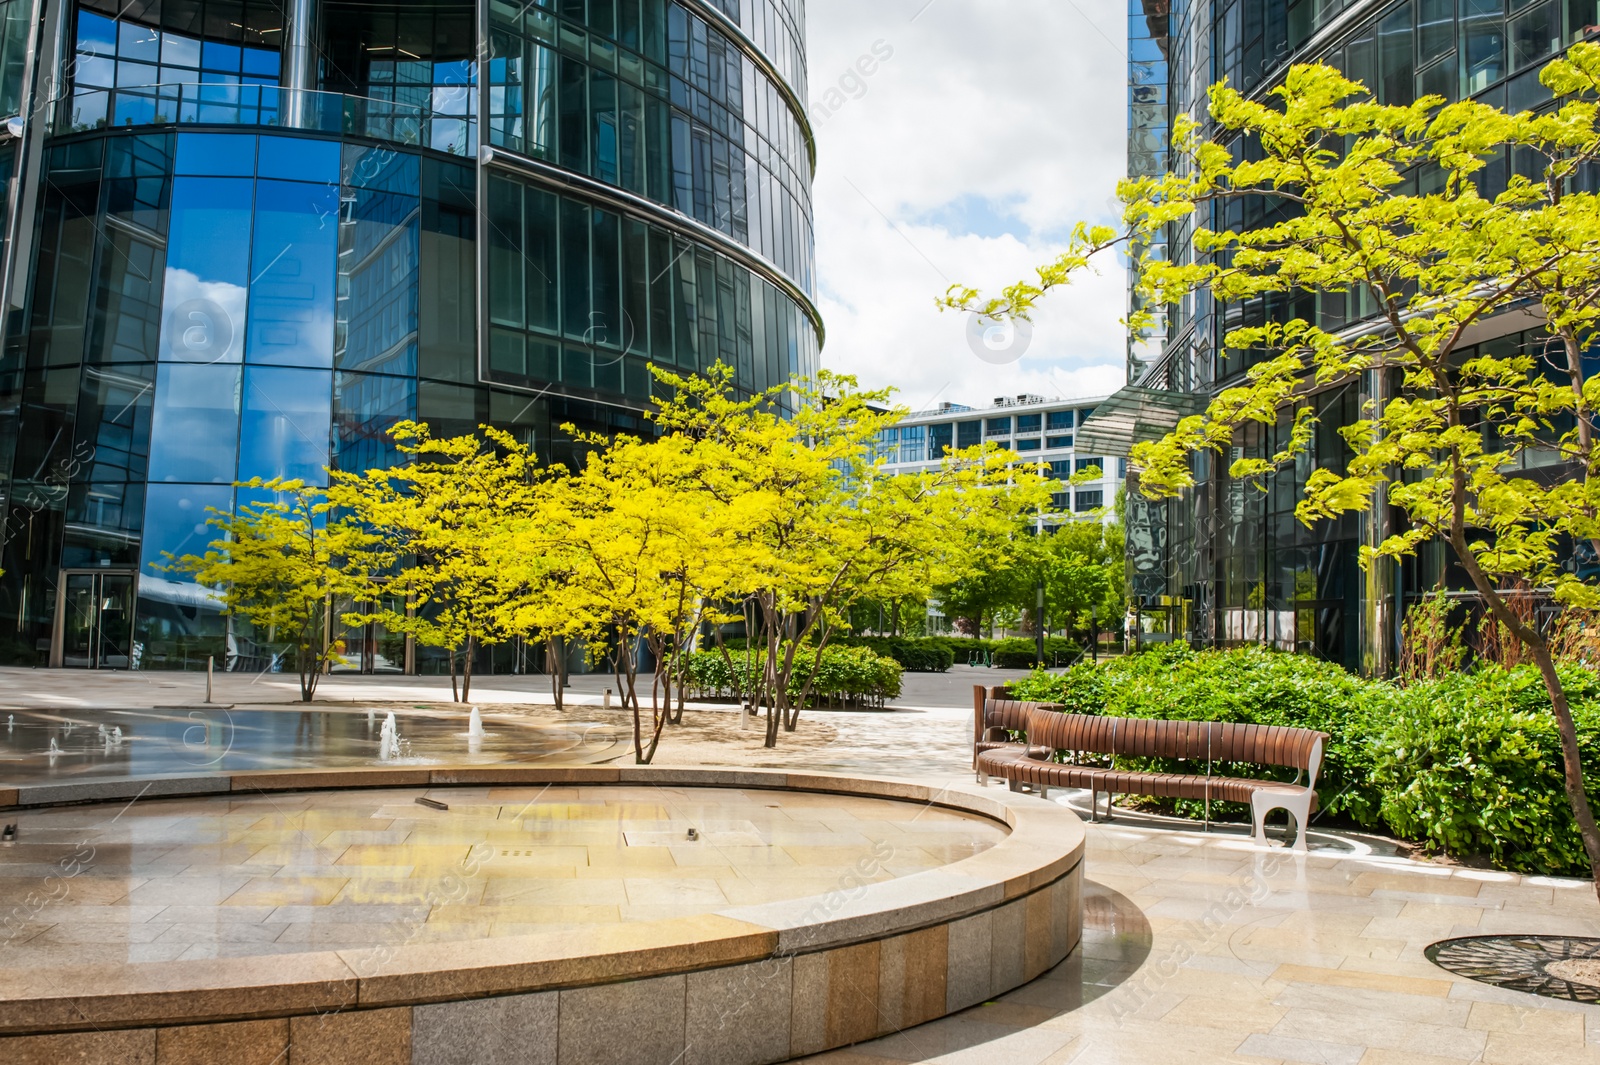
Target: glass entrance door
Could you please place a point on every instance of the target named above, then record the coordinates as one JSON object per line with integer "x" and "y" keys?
{"x": 94, "y": 623}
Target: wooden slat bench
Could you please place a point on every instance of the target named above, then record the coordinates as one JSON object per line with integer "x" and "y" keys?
{"x": 995, "y": 715}
{"x": 1049, "y": 731}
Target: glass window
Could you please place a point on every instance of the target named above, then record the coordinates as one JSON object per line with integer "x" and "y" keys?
{"x": 1028, "y": 445}
{"x": 180, "y": 51}
{"x": 283, "y": 428}
{"x": 365, "y": 408}
{"x": 299, "y": 159}
{"x": 1090, "y": 500}
{"x": 999, "y": 426}
{"x": 1096, "y": 461}
{"x": 1436, "y": 29}
{"x": 293, "y": 266}
{"x": 204, "y": 296}
{"x": 376, "y": 322}
{"x": 940, "y": 439}
{"x": 1483, "y": 43}
{"x": 1058, "y": 419}
{"x": 1583, "y": 19}
{"x": 1058, "y": 442}
{"x": 1534, "y": 34}
{"x": 216, "y": 154}
{"x": 195, "y": 424}
{"x": 1396, "y": 57}
{"x": 969, "y": 434}
{"x": 218, "y": 56}
{"x": 1085, "y": 414}
{"x": 1029, "y": 423}
{"x": 138, "y": 42}
{"x": 451, "y": 410}
{"x": 175, "y": 517}
{"x": 574, "y": 269}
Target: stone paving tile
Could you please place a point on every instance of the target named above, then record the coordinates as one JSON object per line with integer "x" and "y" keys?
{"x": 1196, "y": 951}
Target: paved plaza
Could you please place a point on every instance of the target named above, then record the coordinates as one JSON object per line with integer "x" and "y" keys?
{"x": 1198, "y": 947}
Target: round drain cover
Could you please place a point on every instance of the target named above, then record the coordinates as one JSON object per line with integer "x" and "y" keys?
{"x": 1553, "y": 966}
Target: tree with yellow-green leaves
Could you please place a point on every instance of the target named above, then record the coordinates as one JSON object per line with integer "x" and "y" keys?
{"x": 641, "y": 561}
{"x": 279, "y": 564}
{"x": 1388, "y": 204}
{"x": 435, "y": 522}
{"x": 810, "y": 523}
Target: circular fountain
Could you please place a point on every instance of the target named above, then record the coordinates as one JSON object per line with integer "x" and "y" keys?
{"x": 403, "y": 913}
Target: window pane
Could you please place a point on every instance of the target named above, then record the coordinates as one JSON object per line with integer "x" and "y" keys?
{"x": 175, "y": 518}
{"x": 299, "y": 159}
{"x": 283, "y": 430}
{"x": 1395, "y": 55}
{"x": 1534, "y": 34}
{"x": 293, "y": 266}
{"x": 195, "y": 423}
{"x": 365, "y": 408}
{"x": 1436, "y": 29}
{"x": 204, "y": 296}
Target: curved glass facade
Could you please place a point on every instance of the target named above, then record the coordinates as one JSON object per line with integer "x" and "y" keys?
{"x": 224, "y": 275}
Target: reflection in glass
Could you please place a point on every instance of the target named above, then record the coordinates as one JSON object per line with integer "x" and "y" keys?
{"x": 175, "y": 517}
{"x": 293, "y": 263}
{"x": 283, "y": 429}
{"x": 365, "y": 408}
{"x": 195, "y": 423}
{"x": 204, "y": 298}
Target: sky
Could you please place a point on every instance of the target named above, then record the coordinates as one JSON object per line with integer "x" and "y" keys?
{"x": 983, "y": 131}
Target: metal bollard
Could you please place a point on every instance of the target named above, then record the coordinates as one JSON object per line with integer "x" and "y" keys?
{"x": 210, "y": 661}
{"x": 608, "y": 699}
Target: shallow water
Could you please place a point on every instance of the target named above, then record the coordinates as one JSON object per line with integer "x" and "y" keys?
{"x": 215, "y": 740}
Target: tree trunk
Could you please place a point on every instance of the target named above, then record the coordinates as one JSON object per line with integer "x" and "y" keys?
{"x": 455, "y": 694}
{"x": 556, "y": 660}
{"x": 1572, "y": 763}
{"x": 1539, "y": 647}
{"x": 466, "y": 673}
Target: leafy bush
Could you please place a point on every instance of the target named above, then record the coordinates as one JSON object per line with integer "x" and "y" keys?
{"x": 1471, "y": 763}
{"x": 1251, "y": 685}
{"x": 1022, "y": 652}
{"x": 1468, "y": 764}
{"x": 846, "y": 676}
{"x": 926, "y": 654}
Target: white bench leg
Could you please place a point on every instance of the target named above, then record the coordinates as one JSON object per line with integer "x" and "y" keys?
{"x": 1297, "y": 805}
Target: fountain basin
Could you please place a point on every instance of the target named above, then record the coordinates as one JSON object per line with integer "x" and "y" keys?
{"x": 763, "y": 979}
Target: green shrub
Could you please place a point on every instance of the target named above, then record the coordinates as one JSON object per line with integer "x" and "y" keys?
{"x": 1471, "y": 764}
{"x": 1022, "y": 652}
{"x": 920, "y": 654}
{"x": 846, "y": 676}
{"x": 1250, "y": 685}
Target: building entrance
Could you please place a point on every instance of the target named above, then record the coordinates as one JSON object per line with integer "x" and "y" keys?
{"x": 94, "y": 620}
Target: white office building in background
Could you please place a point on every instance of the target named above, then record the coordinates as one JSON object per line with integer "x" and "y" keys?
{"x": 1039, "y": 429}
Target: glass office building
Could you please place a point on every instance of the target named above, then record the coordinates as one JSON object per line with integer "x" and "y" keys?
{"x": 1227, "y": 563}
{"x": 243, "y": 239}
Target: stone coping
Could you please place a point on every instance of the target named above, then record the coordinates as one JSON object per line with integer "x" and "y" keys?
{"x": 1045, "y": 844}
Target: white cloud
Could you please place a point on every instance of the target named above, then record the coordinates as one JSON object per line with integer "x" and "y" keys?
{"x": 963, "y": 158}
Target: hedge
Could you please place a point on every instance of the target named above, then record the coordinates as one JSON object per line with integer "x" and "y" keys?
{"x": 847, "y": 676}
{"x": 1022, "y": 652}
{"x": 916, "y": 654}
{"x": 1467, "y": 765}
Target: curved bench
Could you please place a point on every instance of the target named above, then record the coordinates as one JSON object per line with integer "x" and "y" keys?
{"x": 1048, "y": 732}
{"x": 996, "y": 715}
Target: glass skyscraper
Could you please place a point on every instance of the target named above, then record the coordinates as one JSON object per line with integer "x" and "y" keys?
{"x": 1227, "y": 563}
{"x": 242, "y": 239}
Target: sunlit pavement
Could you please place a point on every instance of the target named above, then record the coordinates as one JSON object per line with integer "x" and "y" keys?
{"x": 1198, "y": 947}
